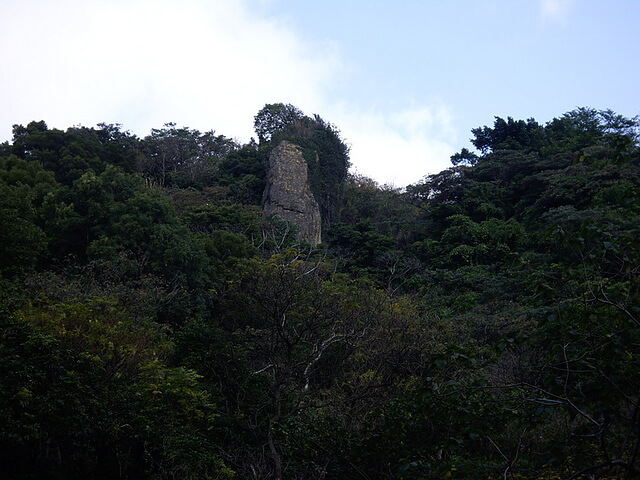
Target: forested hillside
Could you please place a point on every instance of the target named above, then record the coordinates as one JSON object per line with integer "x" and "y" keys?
{"x": 483, "y": 323}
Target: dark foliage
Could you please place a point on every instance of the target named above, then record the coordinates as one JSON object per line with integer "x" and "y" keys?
{"x": 482, "y": 323}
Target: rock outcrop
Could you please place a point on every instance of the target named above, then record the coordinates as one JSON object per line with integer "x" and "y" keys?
{"x": 288, "y": 195}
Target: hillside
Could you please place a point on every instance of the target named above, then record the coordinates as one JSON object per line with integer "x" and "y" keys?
{"x": 483, "y": 323}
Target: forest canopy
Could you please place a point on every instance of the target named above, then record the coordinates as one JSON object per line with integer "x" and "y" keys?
{"x": 481, "y": 323}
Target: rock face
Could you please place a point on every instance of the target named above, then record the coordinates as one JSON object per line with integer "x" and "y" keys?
{"x": 288, "y": 195}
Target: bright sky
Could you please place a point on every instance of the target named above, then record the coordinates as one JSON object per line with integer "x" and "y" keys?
{"x": 404, "y": 80}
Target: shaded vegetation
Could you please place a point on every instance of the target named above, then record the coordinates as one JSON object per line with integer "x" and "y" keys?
{"x": 482, "y": 323}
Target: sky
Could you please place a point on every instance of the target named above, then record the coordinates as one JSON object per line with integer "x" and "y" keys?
{"x": 404, "y": 81}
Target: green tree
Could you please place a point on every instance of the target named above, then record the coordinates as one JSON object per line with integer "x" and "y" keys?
{"x": 182, "y": 156}
{"x": 465, "y": 157}
{"x": 22, "y": 241}
{"x": 273, "y": 118}
{"x": 509, "y": 135}
{"x": 294, "y": 347}
{"x": 70, "y": 154}
{"x": 244, "y": 173}
{"x": 24, "y": 185}
{"x": 86, "y": 393}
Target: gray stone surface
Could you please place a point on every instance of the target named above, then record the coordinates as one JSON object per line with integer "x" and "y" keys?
{"x": 288, "y": 195}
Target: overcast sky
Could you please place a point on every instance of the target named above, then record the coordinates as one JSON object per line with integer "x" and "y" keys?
{"x": 404, "y": 80}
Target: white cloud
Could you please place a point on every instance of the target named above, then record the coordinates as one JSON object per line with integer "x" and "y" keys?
{"x": 198, "y": 63}
{"x": 402, "y": 147}
{"x": 556, "y": 10}
{"x": 143, "y": 63}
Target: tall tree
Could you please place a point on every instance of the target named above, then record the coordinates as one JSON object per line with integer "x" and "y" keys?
{"x": 275, "y": 117}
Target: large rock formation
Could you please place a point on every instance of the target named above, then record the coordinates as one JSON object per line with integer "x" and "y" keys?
{"x": 288, "y": 194}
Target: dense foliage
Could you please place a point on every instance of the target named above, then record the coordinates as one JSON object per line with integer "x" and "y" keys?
{"x": 325, "y": 151}
{"x": 482, "y": 323}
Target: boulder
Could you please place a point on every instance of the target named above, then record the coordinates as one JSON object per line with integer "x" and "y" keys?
{"x": 288, "y": 194}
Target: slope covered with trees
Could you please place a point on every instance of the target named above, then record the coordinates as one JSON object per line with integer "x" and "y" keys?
{"x": 482, "y": 323}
